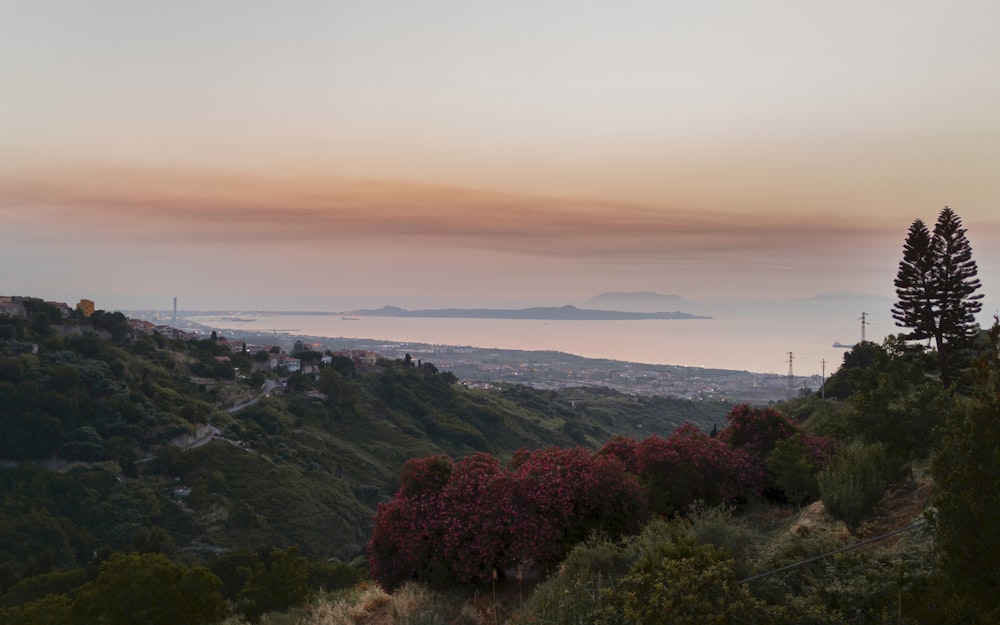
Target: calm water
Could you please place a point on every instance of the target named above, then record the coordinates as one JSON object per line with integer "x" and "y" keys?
{"x": 753, "y": 344}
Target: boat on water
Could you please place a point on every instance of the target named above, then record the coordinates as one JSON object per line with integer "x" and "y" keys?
{"x": 350, "y": 318}
{"x": 842, "y": 346}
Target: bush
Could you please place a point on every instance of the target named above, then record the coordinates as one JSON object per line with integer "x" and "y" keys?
{"x": 794, "y": 469}
{"x": 331, "y": 576}
{"x": 583, "y": 588}
{"x": 577, "y": 594}
{"x": 859, "y": 584}
{"x": 683, "y": 582}
{"x": 854, "y": 483}
{"x": 39, "y": 586}
{"x": 49, "y": 610}
{"x": 734, "y": 536}
{"x": 277, "y": 581}
{"x": 149, "y": 589}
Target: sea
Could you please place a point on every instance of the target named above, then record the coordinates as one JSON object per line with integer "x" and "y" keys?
{"x": 743, "y": 342}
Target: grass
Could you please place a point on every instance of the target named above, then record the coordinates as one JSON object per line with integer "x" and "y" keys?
{"x": 412, "y": 604}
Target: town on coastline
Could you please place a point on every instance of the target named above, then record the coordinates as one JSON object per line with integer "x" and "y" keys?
{"x": 481, "y": 367}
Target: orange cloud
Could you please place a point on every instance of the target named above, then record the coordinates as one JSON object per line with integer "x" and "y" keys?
{"x": 169, "y": 206}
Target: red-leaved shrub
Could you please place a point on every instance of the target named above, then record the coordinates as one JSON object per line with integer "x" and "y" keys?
{"x": 691, "y": 466}
{"x": 756, "y": 430}
{"x": 485, "y": 518}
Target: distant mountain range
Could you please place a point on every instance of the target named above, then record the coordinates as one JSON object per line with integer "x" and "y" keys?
{"x": 548, "y": 313}
{"x": 640, "y": 301}
{"x": 843, "y": 305}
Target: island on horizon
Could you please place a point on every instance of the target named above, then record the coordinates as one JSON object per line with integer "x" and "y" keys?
{"x": 548, "y": 313}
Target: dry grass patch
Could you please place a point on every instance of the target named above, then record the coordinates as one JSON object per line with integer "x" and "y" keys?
{"x": 412, "y": 604}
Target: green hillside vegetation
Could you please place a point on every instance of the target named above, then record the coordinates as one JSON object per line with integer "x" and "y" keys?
{"x": 294, "y": 479}
{"x": 94, "y": 415}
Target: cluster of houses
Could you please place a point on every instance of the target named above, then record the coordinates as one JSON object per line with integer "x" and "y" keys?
{"x": 147, "y": 327}
{"x": 277, "y": 357}
{"x": 14, "y": 305}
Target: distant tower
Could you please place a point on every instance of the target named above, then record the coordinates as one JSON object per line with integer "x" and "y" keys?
{"x": 824, "y": 378}
{"x": 864, "y": 322}
{"x": 174, "y": 323}
{"x": 791, "y": 376}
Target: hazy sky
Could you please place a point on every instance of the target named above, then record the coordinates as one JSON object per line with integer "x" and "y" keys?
{"x": 331, "y": 154}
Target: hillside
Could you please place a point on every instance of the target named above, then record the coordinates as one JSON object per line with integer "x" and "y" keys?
{"x": 133, "y": 461}
{"x": 98, "y": 417}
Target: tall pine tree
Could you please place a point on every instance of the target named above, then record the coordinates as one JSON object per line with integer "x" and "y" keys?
{"x": 915, "y": 284}
{"x": 957, "y": 282}
{"x": 936, "y": 285}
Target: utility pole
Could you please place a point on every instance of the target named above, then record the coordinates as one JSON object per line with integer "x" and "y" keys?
{"x": 823, "y": 386}
{"x": 791, "y": 376}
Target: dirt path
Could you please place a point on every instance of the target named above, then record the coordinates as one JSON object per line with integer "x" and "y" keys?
{"x": 900, "y": 506}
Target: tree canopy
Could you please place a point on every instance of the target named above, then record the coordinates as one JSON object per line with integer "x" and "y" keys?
{"x": 936, "y": 285}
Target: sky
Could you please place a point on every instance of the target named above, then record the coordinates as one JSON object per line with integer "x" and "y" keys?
{"x": 329, "y": 155}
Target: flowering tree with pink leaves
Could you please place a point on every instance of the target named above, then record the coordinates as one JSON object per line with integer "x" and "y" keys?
{"x": 756, "y": 430}
{"x": 691, "y": 466}
{"x": 474, "y": 520}
{"x": 465, "y": 521}
{"x": 625, "y": 449}
{"x": 485, "y": 518}
{"x": 560, "y": 496}
{"x": 404, "y": 544}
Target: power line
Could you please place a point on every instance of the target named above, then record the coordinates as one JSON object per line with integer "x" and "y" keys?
{"x": 868, "y": 541}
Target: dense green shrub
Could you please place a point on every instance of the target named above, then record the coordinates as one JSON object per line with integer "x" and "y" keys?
{"x": 880, "y": 587}
{"x": 854, "y": 482}
{"x": 34, "y": 588}
{"x": 735, "y": 536}
{"x": 576, "y": 594}
{"x": 794, "y": 469}
{"x": 149, "y": 589}
{"x": 682, "y": 582}
{"x": 48, "y": 610}
{"x": 330, "y": 576}
{"x": 896, "y": 402}
{"x": 277, "y": 580}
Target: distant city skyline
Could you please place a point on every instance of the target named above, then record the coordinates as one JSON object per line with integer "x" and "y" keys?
{"x": 337, "y": 155}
